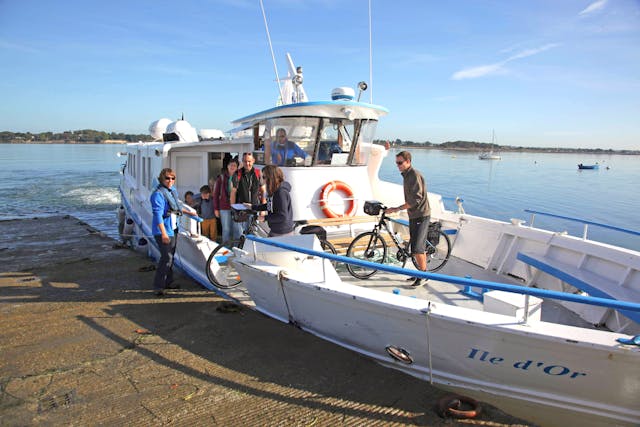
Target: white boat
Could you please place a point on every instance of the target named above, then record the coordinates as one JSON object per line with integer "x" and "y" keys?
{"x": 490, "y": 155}
{"x": 551, "y": 341}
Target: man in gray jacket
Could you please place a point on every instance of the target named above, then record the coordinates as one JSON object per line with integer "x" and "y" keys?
{"x": 416, "y": 203}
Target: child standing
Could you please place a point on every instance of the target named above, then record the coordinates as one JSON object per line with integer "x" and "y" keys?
{"x": 209, "y": 224}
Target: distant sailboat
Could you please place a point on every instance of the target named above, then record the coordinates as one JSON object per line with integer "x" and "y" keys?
{"x": 490, "y": 155}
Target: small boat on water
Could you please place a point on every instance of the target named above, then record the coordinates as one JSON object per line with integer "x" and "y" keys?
{"x": 490, "y": 155}
{"x": 539, "y": 323}
{"x": 594, "y": 166}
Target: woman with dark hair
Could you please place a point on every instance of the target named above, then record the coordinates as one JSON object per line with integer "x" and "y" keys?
{"x": 278, "y": 205}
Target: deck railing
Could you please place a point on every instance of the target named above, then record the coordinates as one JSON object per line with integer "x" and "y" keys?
{"x": 541, "y": 293}
{"x": 585, "y": 222}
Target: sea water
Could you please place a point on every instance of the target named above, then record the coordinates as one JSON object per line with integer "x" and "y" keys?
{"x": 61, "y": 179}
{"x": 546, "y": 182}
{"x": 82, "y": 180}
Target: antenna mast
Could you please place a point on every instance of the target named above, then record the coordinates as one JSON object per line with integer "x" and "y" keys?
{"x": 370, "y": 58}
{"x": 273, "y": 58}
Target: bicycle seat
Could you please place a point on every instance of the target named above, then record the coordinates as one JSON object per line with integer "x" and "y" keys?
{"x": 315, "y": 229}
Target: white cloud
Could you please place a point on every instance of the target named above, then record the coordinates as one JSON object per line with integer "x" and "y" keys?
{"x": 531, "y": 52}
{"x": 498, "y": 67}
{"x": 475, "y": 72}
{"x": 593, "y": 7}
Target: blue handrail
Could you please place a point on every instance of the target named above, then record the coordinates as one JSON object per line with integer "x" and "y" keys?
{"x": 542, "y": 293}
{"x": 583, "y": 221}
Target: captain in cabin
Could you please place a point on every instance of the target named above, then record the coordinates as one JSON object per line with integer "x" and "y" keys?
{"x": 283, "y": 151}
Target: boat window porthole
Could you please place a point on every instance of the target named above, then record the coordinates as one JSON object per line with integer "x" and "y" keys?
{"x": 399, "y": 354}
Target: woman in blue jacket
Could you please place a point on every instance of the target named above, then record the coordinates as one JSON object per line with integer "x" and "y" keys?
{"x": 165, "y": 208}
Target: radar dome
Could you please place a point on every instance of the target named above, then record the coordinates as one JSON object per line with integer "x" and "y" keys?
{"x": 211, "y": 134}
{"x": 343, "y": 94}
{"x": 157, "y": 128}
{"x": 183, "y": 130}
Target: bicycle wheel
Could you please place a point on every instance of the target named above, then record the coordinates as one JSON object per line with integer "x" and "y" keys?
{"x": 221, "y": 273}
{"x": 437, "y": 255}
{"x": 330, "y": 249}
{"x": 367, "y": 247}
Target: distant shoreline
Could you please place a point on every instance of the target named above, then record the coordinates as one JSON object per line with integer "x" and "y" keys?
{"x": 502, "y": 149}
{"x": 107, "y": 141}
{"x": 505, "y": 149}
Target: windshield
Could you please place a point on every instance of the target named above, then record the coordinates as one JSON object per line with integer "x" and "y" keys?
{"x": 310, "y": 141}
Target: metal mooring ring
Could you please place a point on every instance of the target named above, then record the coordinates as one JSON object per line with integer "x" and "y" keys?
{"x": 400, "y": 354}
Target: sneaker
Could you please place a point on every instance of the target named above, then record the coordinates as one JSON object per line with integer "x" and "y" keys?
{"x": 411, "y": 278}
{"x": 158, "y": 293}
{"x": 417, "y": 282}
{"x": 173, "y": 286}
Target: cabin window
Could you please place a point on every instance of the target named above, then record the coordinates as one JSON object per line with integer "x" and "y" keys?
{"x": 290, "y": 141}
{"x": 313, "y": 141}
{"x": 144, "y": 172}
{"x": 334, "y": 143}
{"x": 364, "y": 133}
{"x": 133, "y": 165}
{"x": 148, "y": 160}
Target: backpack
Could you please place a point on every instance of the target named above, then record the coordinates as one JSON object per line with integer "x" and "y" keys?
{"x": 255, "y": 170}
{"x": 258, "y": 177}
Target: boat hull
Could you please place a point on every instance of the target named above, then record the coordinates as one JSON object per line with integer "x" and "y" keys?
{"x": 489, "y": 354}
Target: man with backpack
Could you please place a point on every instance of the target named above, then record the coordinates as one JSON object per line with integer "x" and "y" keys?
{"x": 247, "y": 185}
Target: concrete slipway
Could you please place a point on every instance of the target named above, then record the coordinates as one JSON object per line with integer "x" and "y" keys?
{"x": 83, "y": 341}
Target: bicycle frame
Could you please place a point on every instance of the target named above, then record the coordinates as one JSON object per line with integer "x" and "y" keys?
{"x": 383, "y": 223}
{"x": 254, "y": 226}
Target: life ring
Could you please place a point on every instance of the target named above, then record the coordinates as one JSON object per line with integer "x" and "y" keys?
{"x": 452, "y": 406}
{"x": 324, "y": 199}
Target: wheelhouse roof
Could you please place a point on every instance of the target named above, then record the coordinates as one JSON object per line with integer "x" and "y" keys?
{"x": 351, "y": 110}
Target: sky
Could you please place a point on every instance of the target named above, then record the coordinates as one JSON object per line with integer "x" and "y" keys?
{"x": 540, "y": 73}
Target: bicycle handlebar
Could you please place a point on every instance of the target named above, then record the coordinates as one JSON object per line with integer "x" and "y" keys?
{"x": 248, "y": 210}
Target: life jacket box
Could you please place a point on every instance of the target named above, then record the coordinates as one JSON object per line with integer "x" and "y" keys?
{"x": 372, "y": 207}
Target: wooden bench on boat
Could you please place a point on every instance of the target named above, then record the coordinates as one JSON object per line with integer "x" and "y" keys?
{"x": 589, "y": 282}
{"x": 342, "y": 243}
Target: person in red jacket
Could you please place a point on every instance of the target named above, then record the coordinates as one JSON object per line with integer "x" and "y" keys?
{"x": 222, "y": 204}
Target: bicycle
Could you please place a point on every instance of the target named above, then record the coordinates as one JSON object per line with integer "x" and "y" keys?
{"x": 226, "y": 276}
{"x": 371, "y": 245}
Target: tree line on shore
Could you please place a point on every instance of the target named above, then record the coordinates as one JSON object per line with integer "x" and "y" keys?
{"x": 90, "y": 136}
{"x": 485, "y": 146}
{"x": 85, "y": 136}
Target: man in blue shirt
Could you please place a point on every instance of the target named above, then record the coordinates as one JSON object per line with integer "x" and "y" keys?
{"x": 283, "y": 149}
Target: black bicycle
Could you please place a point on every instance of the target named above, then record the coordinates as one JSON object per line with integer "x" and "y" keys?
{"x": 223, "y": 273}
{"x": 371, "y": 245}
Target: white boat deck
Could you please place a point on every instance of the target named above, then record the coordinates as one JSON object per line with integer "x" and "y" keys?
{"x": 438, "y": 291}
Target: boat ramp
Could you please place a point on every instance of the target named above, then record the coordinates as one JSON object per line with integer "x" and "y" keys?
{"x": 84, "y": 342}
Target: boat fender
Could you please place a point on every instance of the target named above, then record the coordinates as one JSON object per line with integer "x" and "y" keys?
{"x": 458, "y": 406}
{"x": 120, "y": 212}
{"x": 324, "y": 199}
{"x": 128, "y": 228}
{"x": 142, "y": 245}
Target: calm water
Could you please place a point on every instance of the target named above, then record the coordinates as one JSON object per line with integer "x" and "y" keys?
{"x": 82, "y": 180}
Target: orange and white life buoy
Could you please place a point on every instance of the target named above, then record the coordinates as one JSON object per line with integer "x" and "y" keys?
{"x": 324, "y": 199}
